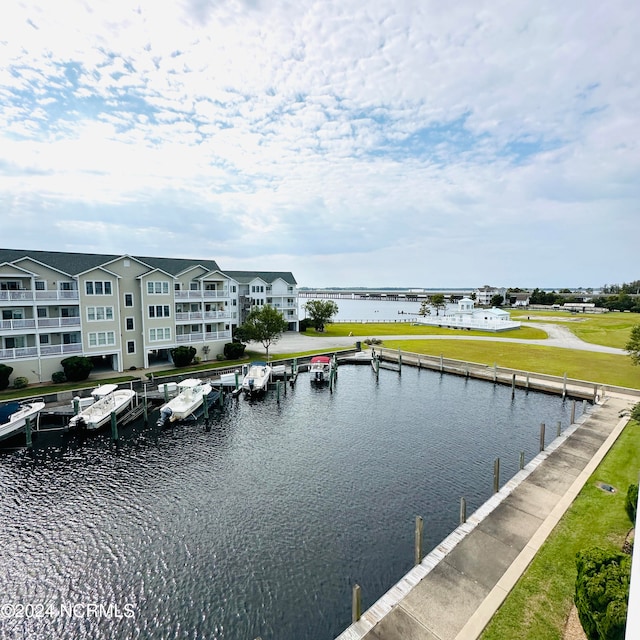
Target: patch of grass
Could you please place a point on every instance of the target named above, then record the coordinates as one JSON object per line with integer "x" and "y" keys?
{"x": 365, "y": 330}
{"x": 604, "y": 368}
{"x": 539, "y": 604}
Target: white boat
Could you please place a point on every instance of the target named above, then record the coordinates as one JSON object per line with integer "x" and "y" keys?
{"x": 257, "y": 379}
{"x": 13, "y": 416}
{"x": 98, "y": 393}
{"x": 320, "y": 369}
{"x": 191, "y": 395}
{"x": 98, "y": 414}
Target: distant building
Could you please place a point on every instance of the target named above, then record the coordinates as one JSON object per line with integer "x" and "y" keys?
{"x": 468, "y": 317}
{"x": 520, "y": 299}
{"x": 484, "y": 295}
{"x": 124, "y": 312}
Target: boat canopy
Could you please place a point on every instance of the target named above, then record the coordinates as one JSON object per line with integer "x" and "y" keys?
{"x": 7, "y": 410}
{"x": 321, "y": 359}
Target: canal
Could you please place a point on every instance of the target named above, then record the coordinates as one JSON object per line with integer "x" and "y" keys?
{"x": 261, "y": 524}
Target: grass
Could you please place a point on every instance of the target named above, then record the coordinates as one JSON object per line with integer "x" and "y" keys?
{"x": 364, "y": 330}
{"x": 539, "y": 604}
{"x": 610, "y": 329}
{"x": 604, "y": 368}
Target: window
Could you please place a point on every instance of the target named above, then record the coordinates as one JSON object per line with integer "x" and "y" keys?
{"x": 194, "y": 286}
{"x": 66, "y": 286}
{"x": 18, "y": 342}
{"x": 131, "y": 346}
{"x": 97, "y": 314}
{"x": 159, "y": 311}
{"x": 42, "y": 312}
{"x": 129, "y": 326}
{"x": 44, "y": 339}
{"x": 40, "y": 285}
{"x": 102, "y": 338}
{"x": 98, "y": 287}
{"x": 233, "y": 288}
{"x": 159, "y": 334}
{"x": 128, "y": 299}
{"x": 70, "y": 338}
{"x": 154, "y": 288}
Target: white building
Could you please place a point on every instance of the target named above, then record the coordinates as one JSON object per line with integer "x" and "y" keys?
{"x": 485, "y": 294}
{"x": 468, "y": 317}
{"x": 122, "y": 311}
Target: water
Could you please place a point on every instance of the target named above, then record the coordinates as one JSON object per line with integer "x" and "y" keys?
{"x": 261, "y": 525}
{"x": 376, "y": 310}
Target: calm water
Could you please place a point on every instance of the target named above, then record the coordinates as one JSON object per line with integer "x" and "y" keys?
{"x": 261, "y": 525}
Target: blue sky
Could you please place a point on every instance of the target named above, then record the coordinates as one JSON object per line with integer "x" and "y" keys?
{"x": 406, "y": 143}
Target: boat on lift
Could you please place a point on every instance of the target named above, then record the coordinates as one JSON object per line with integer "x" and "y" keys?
{"x": 13, "y": 416}
{"x": 192, "y": 393}
{"x": 256, "y": 381}
{"x": 320, "y": 369}
{"x": 98, "y": 414}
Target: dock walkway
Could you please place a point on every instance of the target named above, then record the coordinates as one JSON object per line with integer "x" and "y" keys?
{"x": 460, "y": 585}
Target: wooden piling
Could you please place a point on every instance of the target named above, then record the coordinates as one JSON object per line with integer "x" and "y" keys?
{"x": 356, "y": 603}
{"x": 166, "y": 393}
{"x": 496, "y": 475}
{"x": 564, "y": 386}
{"x": 27, "y": 430}
{"x": 559, "y": 429}
{"x": 399, "y": 361}
{"x": 521, "y": 460}
{"x": 463, "y": 510}
{"x": 513, "y": 386}
{"x": 573, "y": 412}
{"x": 145, "y": 408}
{"x": 114, "y": 426}
{"x": 527, "y": 387}
{"x": 418, "y": 540}
{"x": 76, "y": 406}
{"x": 495, "y": 372}
{"x": 205, "y": 407}
{"x": 542, "y": 430}
{"x": 441, "y": 364}
{"x": 278, "y": 390}
{"x": 237, "y": 377}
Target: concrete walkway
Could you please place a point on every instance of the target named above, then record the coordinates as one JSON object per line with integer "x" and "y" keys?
{"x": 459, "y": 586}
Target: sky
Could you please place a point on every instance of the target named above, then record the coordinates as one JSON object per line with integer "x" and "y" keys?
{"x": 401, "y": 143}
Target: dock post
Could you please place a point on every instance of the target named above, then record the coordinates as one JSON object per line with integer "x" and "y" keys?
{"x": 294, "y": 368}
{"x": 595, "y": 394}
{"x": 278, "y": 390}
{"x": 559, "y": 430}
{"x": 205, "y": 407}
{"x": 144, "y": 404}
{"x": 564, "y": 386}
{"x": 237, "y": 373}
{"x": 114, "y": 427}
{"x": 27, "y": 430}
{"x": 166, "y": 392}
{"x": 285, "y": 381}
{"x": 542, "y": 430}
{"x": 399, "y": 361}
{"x": 466, "y": 370}
{"x": 221, "y": 397}
{"x": 356, "y": 603}
{"x": 573, "y": 412}
{"x": 527, "y": 381}
{"x": 418, "y": 540}
{"x": 521, "y": 460}
{"x": 495, "y": 372}
{"x": 441, "y": 364}
{"x": 513, "y": 386}
{"x": 419, "y": 364}
{"x": 76, "y": 406}
{"x": 496, "y": 475}
{"x": 463, "y": 510}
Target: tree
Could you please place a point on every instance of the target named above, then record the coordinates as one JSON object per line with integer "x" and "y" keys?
{"x": 497, "y": 300}
{"x": 321, "y": 312}
{"x": 263, "y": 324}
{"x": 182, "y": 356}
{"x": 438, "y": 302}
{"x": 633, "y": 346}
{"x": 425, "y": 309}
{"x": 5, "y": 374}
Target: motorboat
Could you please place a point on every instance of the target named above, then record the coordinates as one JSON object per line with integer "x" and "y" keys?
{"x": 320, "y": 369}
{"x": 98, "y": 393}
{"x": 98, "y": 414}
{"x": 192, "y": 393}
{"x": 256, "y": 381}
{"x": 13, "y": 416}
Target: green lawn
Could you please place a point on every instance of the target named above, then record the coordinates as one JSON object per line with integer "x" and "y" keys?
{"x": 604, "y": 368}
{"x": 362, "y": 330}
{"x": 609, "y": 329}
{"x": 539, "y": 604}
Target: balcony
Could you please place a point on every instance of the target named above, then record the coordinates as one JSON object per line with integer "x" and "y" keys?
{"x": 26, "y": 295}
{"x": 42, "y": 323}
{"x": 17, "y": 325}
{"x": 202, "y": 315}
{"x": 58, "y": 323}
{"x": 59, "y": 349}
{"x": 57, "y": 296}
{"x": 203, "y": 337}
{"x": 18, "y": 353}
{"x": 201, "y": 293}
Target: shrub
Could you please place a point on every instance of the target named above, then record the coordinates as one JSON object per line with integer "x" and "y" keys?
{"x": 635, "y": 412}
{"x": 220, "y": 357}
{"x": 77, "y": 368}
{"x": 234, "y": 350}
{"x": 183, "y": 356}
{"x": 602, "y": 590}
{"x": 304, "y": 324}
{"x": 20, "y": 382}
{"x": 5, "y": 372}
{"x": 631, "y": 502}
{"x": 58, "y": 377}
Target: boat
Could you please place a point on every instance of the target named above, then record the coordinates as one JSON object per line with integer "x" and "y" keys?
{"x": 192, "y": 392}
{"x": 98, "y": 414}
{"x": 257, "y": 379}
{"x": 320, "y": 369}
{"x": 13, "y": 416}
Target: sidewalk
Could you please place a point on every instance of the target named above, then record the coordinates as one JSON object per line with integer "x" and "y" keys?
{"x": 460, "y": 585}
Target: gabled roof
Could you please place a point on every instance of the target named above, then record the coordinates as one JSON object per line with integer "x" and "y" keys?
{"x": 245, "y": 277}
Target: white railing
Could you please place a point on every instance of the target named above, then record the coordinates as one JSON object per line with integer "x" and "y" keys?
{"x": 17, "y": 325}
{"x": 20, "y": 295}
{"x": 59, "y": 349}
{"x": 183, "y": 316}
{"x": 18, "y": 353}
{"x": 201, "y": 293}
{"x": 26, "y": 295}
{"x": 202, "y": 337}
{"x": 57, "y": 295}
{"x": 53, "y": 323}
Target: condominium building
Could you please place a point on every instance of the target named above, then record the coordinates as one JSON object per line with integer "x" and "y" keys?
{"x": 124, "y": 312}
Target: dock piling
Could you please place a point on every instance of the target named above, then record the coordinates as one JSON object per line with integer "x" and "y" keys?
{"x": 418, "y": 540}
{"x": 114, "y": 427}
{"x": 27, "y": 430}
{"x": 542, "y": 430}
{"x": 573, "y": 412}
{"x": 356, "y": 603}
{"x": 463, "y": 510}
{"x": 496, "y": 475}
{"x": 559, "y": 429}
{"x": 521, "y": 460}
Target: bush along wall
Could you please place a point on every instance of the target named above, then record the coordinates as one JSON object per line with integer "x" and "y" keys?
{"x": 602, "y": 590}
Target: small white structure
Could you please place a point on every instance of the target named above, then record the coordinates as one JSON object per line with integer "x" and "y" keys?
{"x": 467, "y": 317}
